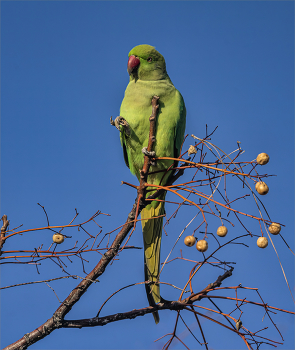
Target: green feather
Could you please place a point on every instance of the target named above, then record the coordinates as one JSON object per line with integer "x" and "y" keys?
{"x": 148, "y": 80}
{"x": 152, "y": 233}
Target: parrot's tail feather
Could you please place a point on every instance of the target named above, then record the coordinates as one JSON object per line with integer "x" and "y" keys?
{"x": 152, "y": 233}
{"x": 151, "y": 300}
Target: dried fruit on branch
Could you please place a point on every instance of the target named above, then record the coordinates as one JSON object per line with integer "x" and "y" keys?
{"x": 262, "y": 242}
{"x": 262, "y": 158}
{"x": 58, "y": 238}
{"x": 189, "y": 241}
{"x": 261, "y": 187}
{"x": 191, "y": 150}
{"x": 222, "y": 231}
{"x": 274, "y": 228}
{"x": 202, "y": 245}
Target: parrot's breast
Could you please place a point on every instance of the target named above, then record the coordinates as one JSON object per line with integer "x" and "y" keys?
{"x": 136, "y": 109}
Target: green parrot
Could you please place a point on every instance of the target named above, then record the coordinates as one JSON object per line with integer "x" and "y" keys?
{"x": 148, "y": 78}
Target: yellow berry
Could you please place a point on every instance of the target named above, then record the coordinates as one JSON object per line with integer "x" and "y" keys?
{"x": 222, "y": 231}
{"x": 202, "y": 245}
{"x": 261, "y": 187}
{"x": 262, "y": 242}
{"x": 58, "y": 238}
{"x": 274, "y": 228}
{"x": 189, "y": 241}
{"x": 262, "y": 158}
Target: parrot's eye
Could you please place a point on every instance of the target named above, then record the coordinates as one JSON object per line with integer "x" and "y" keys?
{"x": 149, "y": 59}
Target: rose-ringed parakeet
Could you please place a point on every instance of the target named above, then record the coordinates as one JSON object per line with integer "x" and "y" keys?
{"x": 148, "y": 78}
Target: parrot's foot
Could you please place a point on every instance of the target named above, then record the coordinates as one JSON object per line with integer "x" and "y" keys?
{"x": 120, "y": 121}
{"x": 151, "y": 154}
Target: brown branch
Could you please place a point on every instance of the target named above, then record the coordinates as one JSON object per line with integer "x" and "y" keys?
{"x": 202, "y": 165}
{"x": 57, "y": 320}
{"x": 197, "y": 296}
{"x": 152, "y": 139}
{"x": 171, "y": 305}
{"x": 45, "y": 281}
{"x": 247, "y": 301}
{"x": 54, "y": 227}
{"x": 3, "y": 230}
{"x": 201, "y": 329}
{"x": 101, "y": 321}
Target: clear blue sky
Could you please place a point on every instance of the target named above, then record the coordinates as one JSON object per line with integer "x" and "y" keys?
{"x": 63, "y": 74}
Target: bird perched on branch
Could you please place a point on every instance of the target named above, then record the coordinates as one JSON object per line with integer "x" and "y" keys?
{"x": 148, "y": 78}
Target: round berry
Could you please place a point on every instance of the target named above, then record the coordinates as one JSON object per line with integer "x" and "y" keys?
{"x": 189, "y": 241}
{"x": 262, "y": 242}
{"x": 262, "y": 158}
{"x": 222, "y": 231}
{"x": 261, "y": 187}
{"x": 58, "y": 238}
{"x": 274, "y": 228}
{"x": 202, "y": 245}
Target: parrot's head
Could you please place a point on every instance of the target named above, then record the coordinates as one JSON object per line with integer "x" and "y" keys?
{"x": 146, "y": 63}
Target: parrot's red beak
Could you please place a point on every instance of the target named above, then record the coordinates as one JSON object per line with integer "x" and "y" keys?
{"x": 133, "y": 63}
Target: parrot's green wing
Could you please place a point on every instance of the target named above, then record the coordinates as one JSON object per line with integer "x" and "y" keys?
{"x": 180, "y": 128}
{"x": 123, "y": 144}
{"x": 148, "y": 78}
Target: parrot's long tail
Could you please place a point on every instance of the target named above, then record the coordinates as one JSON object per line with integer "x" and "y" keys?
{"x": 152, "y": 233}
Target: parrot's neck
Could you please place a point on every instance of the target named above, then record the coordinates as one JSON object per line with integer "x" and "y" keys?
{"x": 164, "y": 77}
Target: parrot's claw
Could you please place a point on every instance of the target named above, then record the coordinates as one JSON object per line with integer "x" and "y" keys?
{"x": 151, "y": 154}
{"x": 120, "y": 121}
